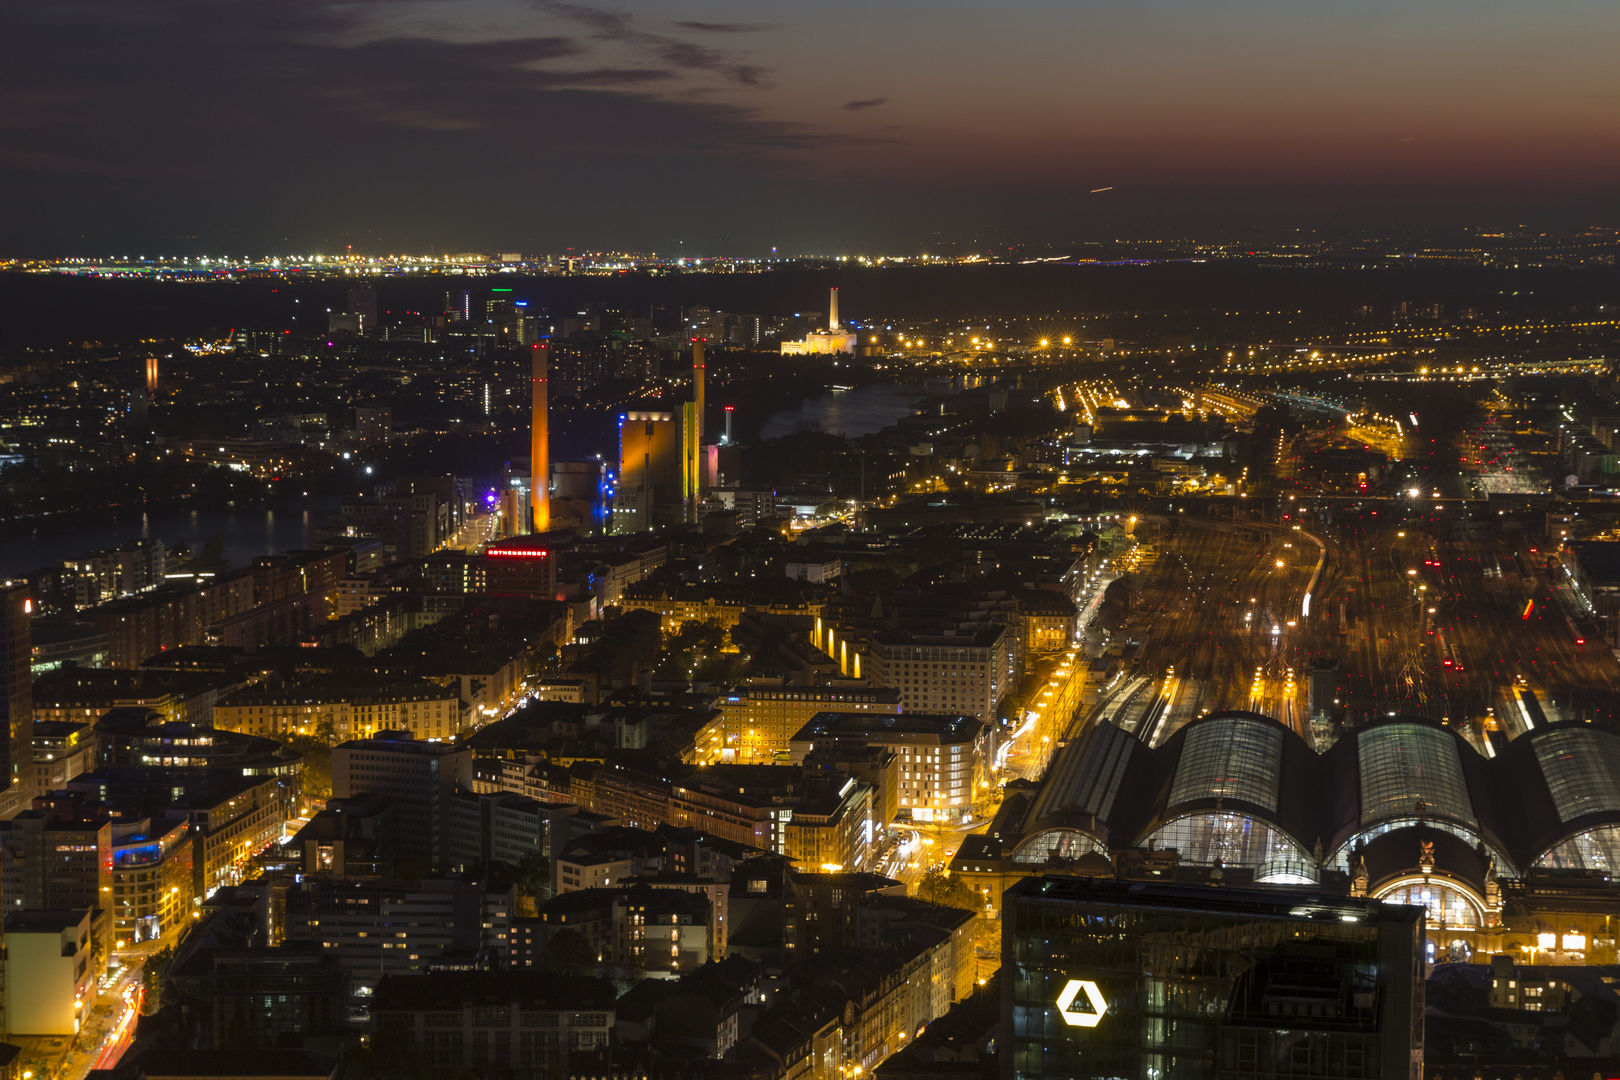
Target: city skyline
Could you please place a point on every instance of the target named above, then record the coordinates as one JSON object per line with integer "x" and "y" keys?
{"x": 741, "y": 127}
{"x": 758, "y": 541}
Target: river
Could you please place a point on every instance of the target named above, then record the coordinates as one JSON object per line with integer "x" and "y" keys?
{"x": 851, "y": 413}
{"x": 246, "y": 533}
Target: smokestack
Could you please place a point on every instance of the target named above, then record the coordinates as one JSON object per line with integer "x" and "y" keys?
{"x": 540, "y": 443}
{"x": 832, "y": 309}
{"x": 691, "y": 474}
{"x": 729, "y": 410}
{"x": 697, "y": 383}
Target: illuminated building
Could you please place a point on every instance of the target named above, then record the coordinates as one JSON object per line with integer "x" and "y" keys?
{"x": 539, "y": 444}
{"x": 355, "y": 708}
{"x": 662, "y": 462}
{"x": 513, "y": 501}
{"x": 373, "y": 422}
{"x": 956, "y": 673}
{"x": 832, "y": 340}
{"x": 690, "y": 478}
{"x": 941, "y": 757}
{"x": 692, "y": 453}
{"x": 757, "y": 721}
{"x": 833, "y": 828}
{"x": 152, "y": 877}
{"x": 51, "y": 964}
{"x": 698, "y": 376}
{"x": 518, "y": 566}
{"x": 650, "y": 473}
{"x": 1511, "y": 853}
{"x": 52, "y": 860}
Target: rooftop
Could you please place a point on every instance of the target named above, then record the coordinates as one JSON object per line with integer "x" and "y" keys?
{"x": 43, "y": 922}
{"x": 529, "y": 989}
{"x": 1276, "y": 903}
{"x": 836, "y": 725}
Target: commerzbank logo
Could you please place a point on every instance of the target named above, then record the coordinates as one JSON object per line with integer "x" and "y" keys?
{"x": 1072, "y": 992}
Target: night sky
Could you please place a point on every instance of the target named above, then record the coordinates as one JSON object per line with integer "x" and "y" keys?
{"x": 234, "y": 127}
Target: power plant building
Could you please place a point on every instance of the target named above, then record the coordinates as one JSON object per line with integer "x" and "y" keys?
{"x": 662, "y": 461}
{"x": 830, "y": 341}
{"x": 540, "y": 442}
{"x": 650, "y": 475}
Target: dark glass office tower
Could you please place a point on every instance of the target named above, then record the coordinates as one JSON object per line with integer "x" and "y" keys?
{"x": 1110, "y": 978}
{"x": 16, "y": 697}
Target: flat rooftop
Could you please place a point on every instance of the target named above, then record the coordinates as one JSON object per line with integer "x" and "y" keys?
{"x": 855, "y": 725}
{"x": 1277, "y": 903}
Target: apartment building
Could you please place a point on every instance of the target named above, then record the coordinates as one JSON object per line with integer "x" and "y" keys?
{"x": 757, "y": 720}
{"x": 941, "y": 757}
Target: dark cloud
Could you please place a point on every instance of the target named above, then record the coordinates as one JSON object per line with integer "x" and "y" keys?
{"x": 725, "y": 28}
{"x": 605, "y": 24}
{"x": 244, "y": 122}
{"x": 217, "y": 127}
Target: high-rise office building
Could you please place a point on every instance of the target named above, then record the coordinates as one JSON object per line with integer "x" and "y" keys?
{"x": 16, "y": 697}
{"x": 372, "y": 422}
{"x": 363, "y": 304}
{"x": 420, "y": 776}
{"x": 458, "y": 305}
{"x": 1110, "y": 978}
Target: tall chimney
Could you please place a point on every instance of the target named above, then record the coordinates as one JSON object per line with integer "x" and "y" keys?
{"x": 540, "y": 443}
{"x": 697, "y": 383}
{"x": 729, "y": 410}
{"x": 832, "y": 309}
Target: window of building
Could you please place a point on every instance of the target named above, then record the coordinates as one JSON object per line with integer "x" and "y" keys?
{"x": 1238, "y": 840}
{"x": 1447, "y": 906}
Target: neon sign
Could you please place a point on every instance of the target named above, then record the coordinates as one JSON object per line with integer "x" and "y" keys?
{"x": 1093, "y": 995}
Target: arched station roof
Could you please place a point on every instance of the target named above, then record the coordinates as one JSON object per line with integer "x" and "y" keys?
{"x": 1550, "y": 797}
